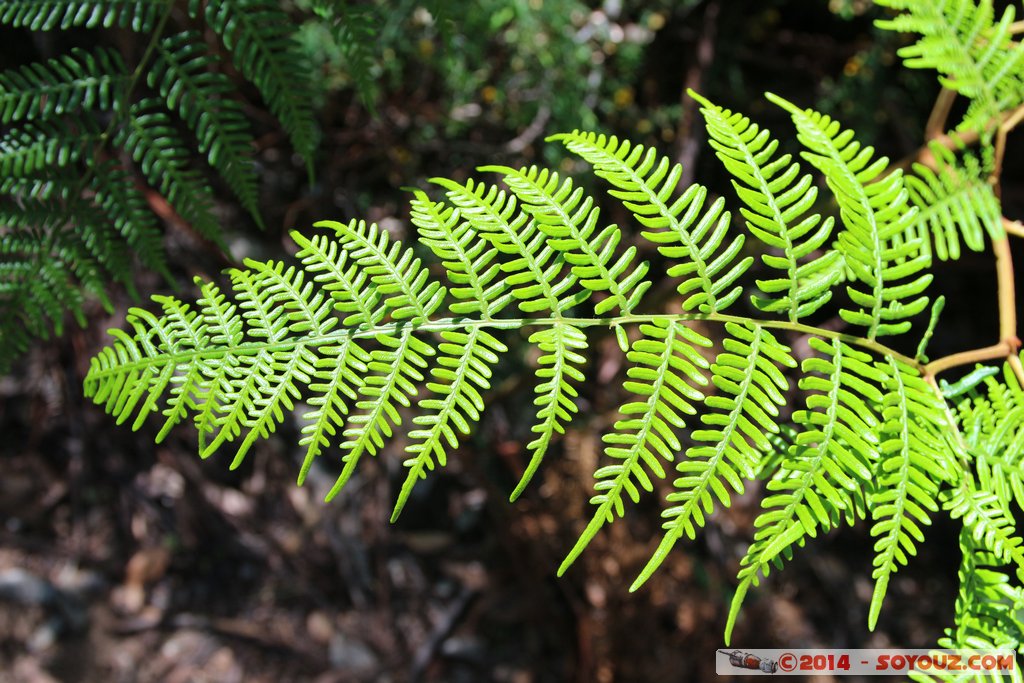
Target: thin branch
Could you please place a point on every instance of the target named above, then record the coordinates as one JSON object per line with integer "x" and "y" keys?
{"x": 1009, "y": 123}
{"x": 936, "y": 125}
{"x": 1015, "y": 228}
{"x": 1007, "y": 291}
{"x": 994, "y": 352}
{"x": 956, "y": 140}
{"x": 1009, "y": 343}
{"x": 1017, "y": 367}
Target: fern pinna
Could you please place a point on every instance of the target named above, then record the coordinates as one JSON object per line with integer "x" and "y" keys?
{"x": 72, "y": 211}
{"x": 360, "y": 328}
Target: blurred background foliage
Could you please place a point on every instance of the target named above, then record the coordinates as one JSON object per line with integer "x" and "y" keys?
{"x": 161, "y": 567}
{"x": 456, "y": 85}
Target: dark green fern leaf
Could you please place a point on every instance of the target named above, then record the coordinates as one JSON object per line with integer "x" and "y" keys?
{"x": 79, "y": 80}
{"x": 35, "y": 147}
{"x": 183, "y": 73}
{"x": 258, "y": 34}
{"x": 46, "y": 15}
{"x": 118, "y": 196}
{"x": 151, "y": 139}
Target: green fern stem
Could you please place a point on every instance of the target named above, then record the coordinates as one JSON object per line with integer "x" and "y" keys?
{"x": 443, "y": 324}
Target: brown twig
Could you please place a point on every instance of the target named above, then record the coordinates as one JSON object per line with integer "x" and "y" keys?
{"x": 1015, "y": 228}
{"x": 1009, "y": 343}
{"x": 999, "y": 350}
{"x": 936, "y": 125}
{"x": 1008, "y": 124}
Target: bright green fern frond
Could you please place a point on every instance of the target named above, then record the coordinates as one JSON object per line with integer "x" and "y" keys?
{"x": 259, "y": 36}
{"x": 79, "y": 80}
{"x": 747, "y": 374}
{"x": 394, "y": 372}
{"x": 973, "y": 55}
{"x": 954, "y": 202}
{"x": 559, "y": 367}
{"x": 341, "y": 370}
{"x": 45, "y": 15}
{"x": 825, "y": 469}
{"x": 536, "y": 277}
{"x": 568, "y": 218}
{"x": 183, "y": 73}
{"x": 462, "y": 371}
{"x": 466, "y": 257}
{"x": 912, "y": 463}
{"x": 463, "y": 366}
{"x": 999, "y": 458}
{"x": 875, "y": 215}
{"x": 536, "y": 271}
{"x": 340, "y": 276}
{"x": 647, "y": 184}
{"x": 987, "y": 523}
{"x": 778, "y": 204}
{"x": 987, "y": 616}
{"x": 406, "y": 293}
{"x": 666, "y": 374}
{"x": 360, "y": 330}
{"x": 403, "y": 283}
